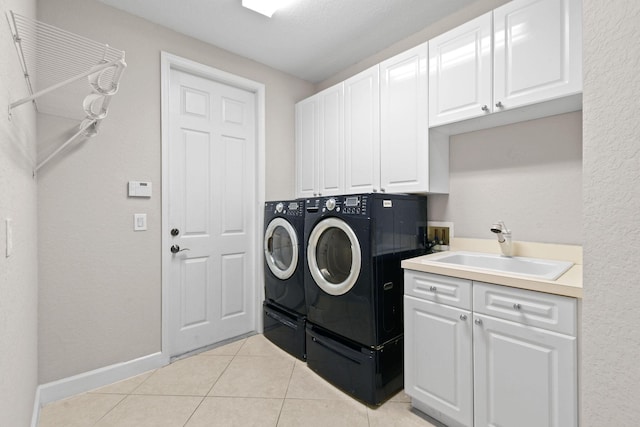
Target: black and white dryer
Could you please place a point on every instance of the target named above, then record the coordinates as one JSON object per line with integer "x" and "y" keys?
{"x": 354, "y": 288}
{"x": 284, "y": 258}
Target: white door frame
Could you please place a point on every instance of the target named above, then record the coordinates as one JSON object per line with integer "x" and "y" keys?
{"x": 169, "y": 62}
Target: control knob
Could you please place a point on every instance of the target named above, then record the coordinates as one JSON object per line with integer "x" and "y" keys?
{"x": 330, "y": 204}
{"x": 279, "y": 207}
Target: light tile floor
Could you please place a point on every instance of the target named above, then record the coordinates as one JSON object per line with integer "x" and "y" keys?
{"x": 249, "y": 382}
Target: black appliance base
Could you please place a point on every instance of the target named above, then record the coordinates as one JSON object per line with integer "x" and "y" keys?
{"x": 285, "y": 329}
{"x": 371, "y": 376}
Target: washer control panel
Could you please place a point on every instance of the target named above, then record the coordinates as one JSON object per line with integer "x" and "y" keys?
{"x": 355, "y": 205}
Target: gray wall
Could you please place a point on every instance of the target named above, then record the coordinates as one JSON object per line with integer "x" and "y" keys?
{"x": 528, "y": 174}
{"x": 100, "y": 282}
{"x": 19, "y": 272}
{"x": 611, "y": 336}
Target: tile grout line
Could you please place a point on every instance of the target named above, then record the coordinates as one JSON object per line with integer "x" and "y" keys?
{"x": 109, "y": 411}
{"x": 194, "y": 411}
{"x": 223, "y": 371}
{"x": 284, "y": 399}
{"x": 214, "y": 383}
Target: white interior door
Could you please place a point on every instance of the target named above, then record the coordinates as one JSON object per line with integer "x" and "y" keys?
{"x": 211, "y": 210}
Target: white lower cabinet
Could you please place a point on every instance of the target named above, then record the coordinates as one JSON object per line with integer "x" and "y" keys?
{"x": 438, "y": 360}
{"x": 514, "y": 368}
{"x": 524, "y": 376}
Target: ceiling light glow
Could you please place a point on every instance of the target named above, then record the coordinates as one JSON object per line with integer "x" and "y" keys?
{"x": 264, "y": 7}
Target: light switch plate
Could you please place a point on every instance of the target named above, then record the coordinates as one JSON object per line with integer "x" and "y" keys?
{"x": 140, "y": 222}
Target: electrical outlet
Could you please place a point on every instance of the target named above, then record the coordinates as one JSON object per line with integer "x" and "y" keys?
{"x": 440, "y": 234}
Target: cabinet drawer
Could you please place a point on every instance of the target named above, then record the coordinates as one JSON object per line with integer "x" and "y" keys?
{"x": 441, "y": 289}
{"x": 547, "y": 311}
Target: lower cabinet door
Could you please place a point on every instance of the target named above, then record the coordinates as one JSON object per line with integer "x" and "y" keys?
{"x": 524, "y": 376}
{"x": 438, "y": 353}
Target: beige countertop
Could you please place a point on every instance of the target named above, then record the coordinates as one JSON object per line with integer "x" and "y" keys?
{"x": 569, "y": 284}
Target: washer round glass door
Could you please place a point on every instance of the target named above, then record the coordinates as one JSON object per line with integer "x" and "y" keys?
{"x": 281, "y": 248}
{"x": 334, "y": 256}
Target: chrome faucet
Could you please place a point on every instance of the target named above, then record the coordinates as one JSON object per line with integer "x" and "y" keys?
{"x": 504, "y": 237}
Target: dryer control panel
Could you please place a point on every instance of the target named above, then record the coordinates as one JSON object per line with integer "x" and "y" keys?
{"x": 295, "y": 208}
{"x": 339, "y": 205}
{"x": 287, "y": 208}
{"x": 359, "y": 205}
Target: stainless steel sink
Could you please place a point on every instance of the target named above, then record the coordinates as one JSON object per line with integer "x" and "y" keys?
{"x": 530, "y": 267}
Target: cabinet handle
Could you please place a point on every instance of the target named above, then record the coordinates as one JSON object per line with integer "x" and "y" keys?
{"x": 433, "y": 289}
{"x": 517, "y": 306}
{"x": 478, "y": 321}
{"x": 463, "y": 317}
{"x": 485, "y": 108}
{"x": 499, "y": 104}
{"x": 375, "y": 190}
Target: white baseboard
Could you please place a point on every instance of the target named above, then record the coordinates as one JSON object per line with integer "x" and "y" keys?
{"x": 66, "y": 387}
{"x": 35, "y": 416}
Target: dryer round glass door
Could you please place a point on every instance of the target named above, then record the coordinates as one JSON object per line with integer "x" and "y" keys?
{"x": 281, "y": 248}
{"x": 334, "y": 256}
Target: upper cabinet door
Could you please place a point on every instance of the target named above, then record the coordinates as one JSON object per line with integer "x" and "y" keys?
{"x": 404, "y": 129}
{"x": 362, "y": 131}
{"x": 306, "y": 147}
{"x": 537, "y": 51}
{"x": 460, "y": 72}
{"x": 331, "y": 141}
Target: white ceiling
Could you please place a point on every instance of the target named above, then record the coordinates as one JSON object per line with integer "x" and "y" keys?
{"x": 310, "y": 39}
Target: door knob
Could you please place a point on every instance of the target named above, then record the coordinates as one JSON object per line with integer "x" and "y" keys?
{"x": 175, "y": 232}
{"x": 175, "y": 249}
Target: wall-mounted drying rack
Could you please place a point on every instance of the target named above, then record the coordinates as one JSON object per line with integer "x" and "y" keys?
{"x": 55, "y": 60}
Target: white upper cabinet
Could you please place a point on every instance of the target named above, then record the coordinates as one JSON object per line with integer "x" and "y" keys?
{"x": 460, "y": 72}
{"x": 320, "y": 144}
{"x": 533, "y": 49}
{"x": 306, "y": 147}
{"x": 362, "y": 131}
{"x": 370, "y": 133}
{"x": 537, "y": 51}
{"x": 404, "y": 130}
{"x": 331, "y": 141}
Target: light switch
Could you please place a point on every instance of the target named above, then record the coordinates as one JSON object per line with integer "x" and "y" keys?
{"x": 140, "y": 222}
